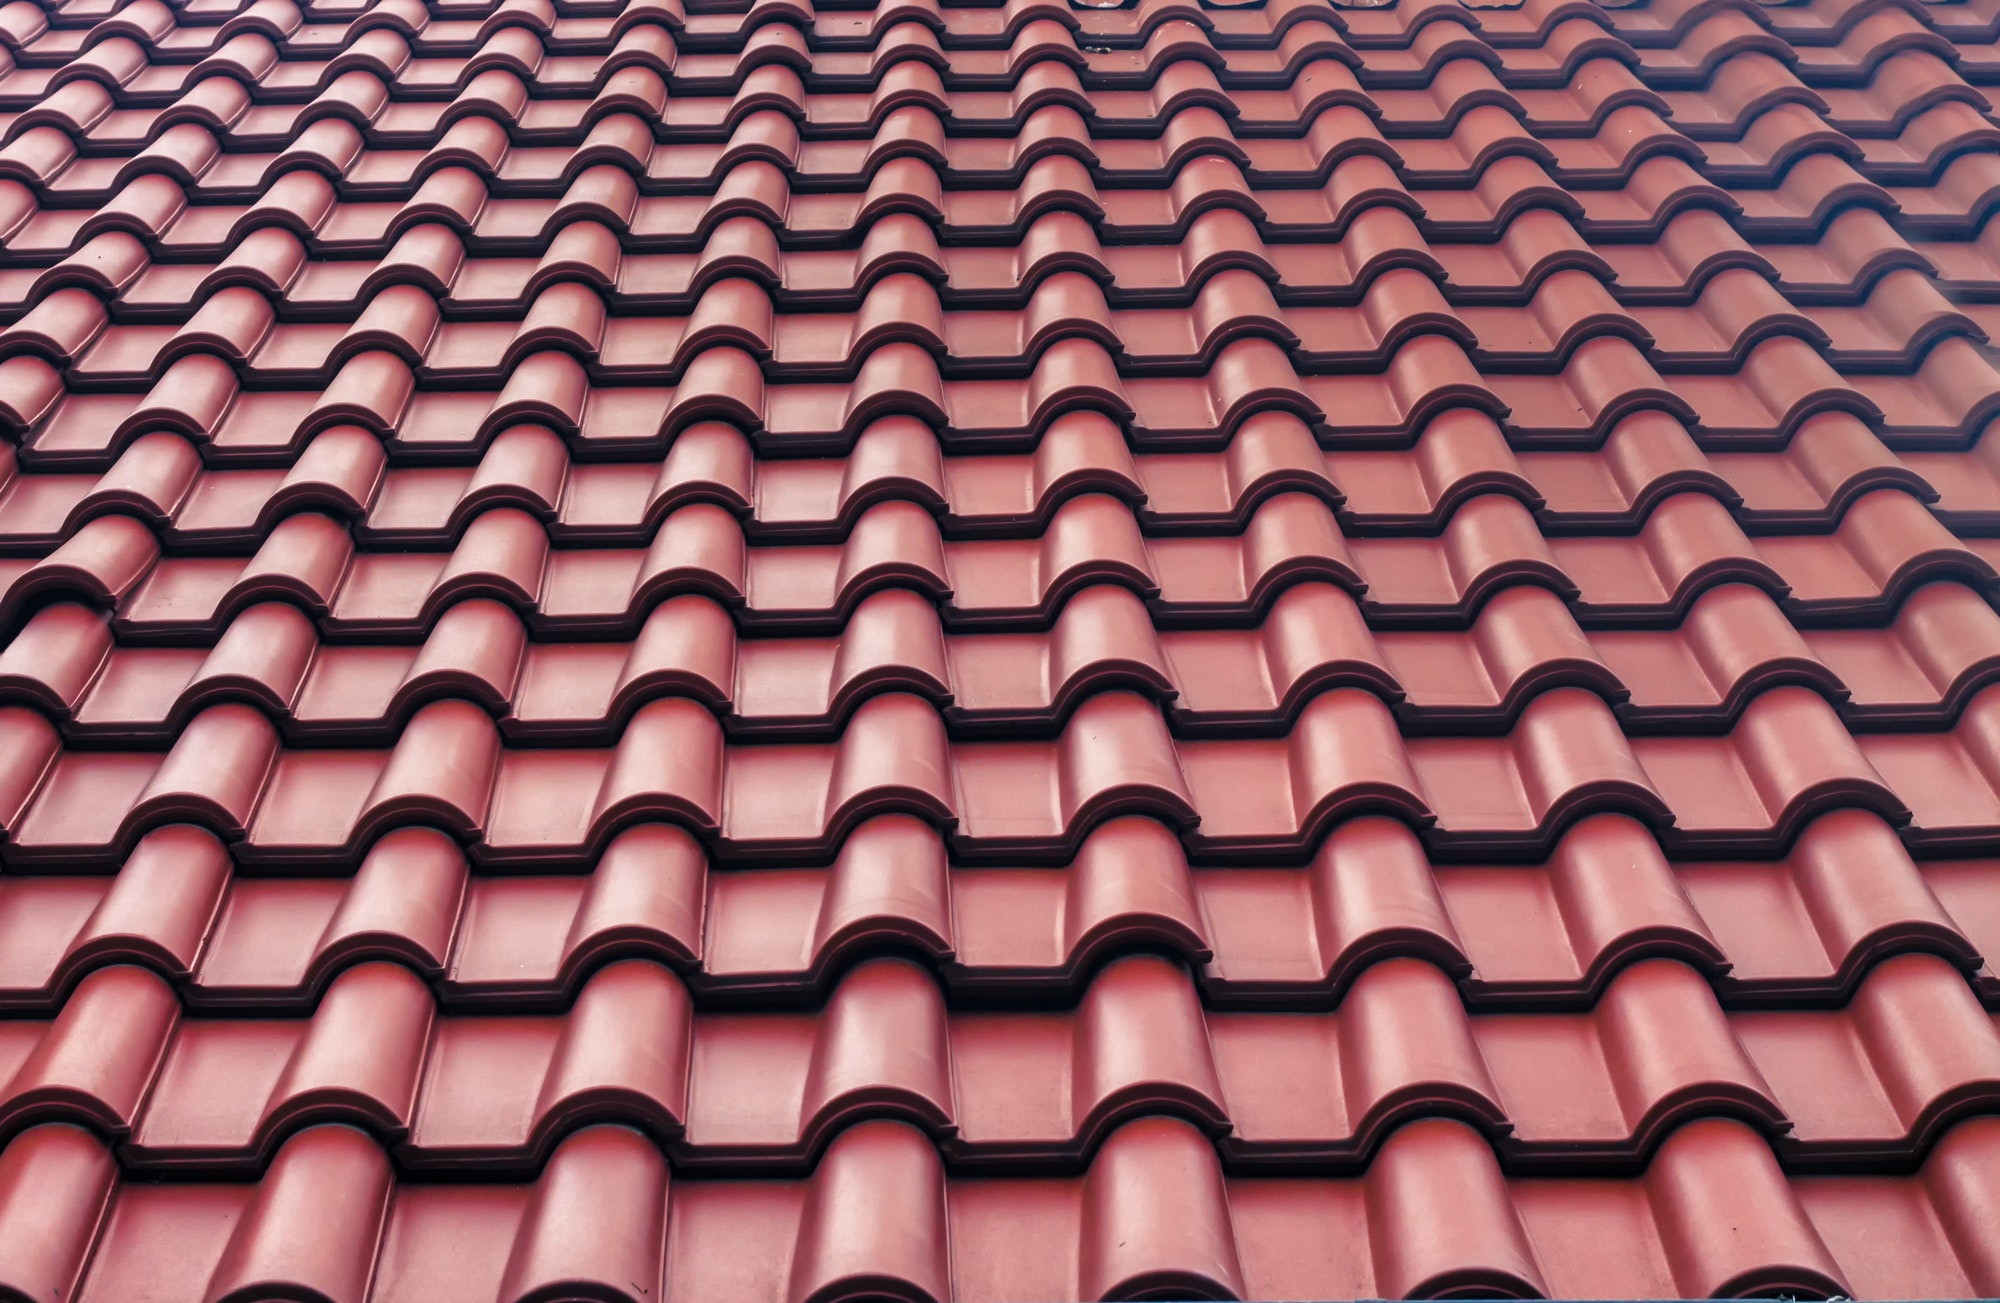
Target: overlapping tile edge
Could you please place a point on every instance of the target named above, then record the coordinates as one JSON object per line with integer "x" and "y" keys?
{"x": 707, "y": 651}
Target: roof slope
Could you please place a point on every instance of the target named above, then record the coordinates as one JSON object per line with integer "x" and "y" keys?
{"x": 668, "y": 649}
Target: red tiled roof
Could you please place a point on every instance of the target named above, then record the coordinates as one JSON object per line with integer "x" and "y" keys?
{"x": 731, "y": 652}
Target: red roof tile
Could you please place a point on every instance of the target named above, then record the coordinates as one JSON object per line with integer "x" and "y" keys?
{"x": 725, "y": 650}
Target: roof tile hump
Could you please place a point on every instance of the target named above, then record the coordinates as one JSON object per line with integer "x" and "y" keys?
{"x": 937, "y": 651}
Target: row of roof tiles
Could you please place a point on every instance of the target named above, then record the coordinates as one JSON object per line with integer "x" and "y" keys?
{"x": 1899, "y": 87}
{"x": 1747, "y": 86}
{"x": 879, "y": 1217}
{"x": 1787, "y": 759}
{"x": 1783, "y": 383}
{"x": 1885, "y": 545}
{"x": 1879, "y": 1080}
{"x": 154, "y": 207}
{"x": 1833, "y": 461}
{"x": 375, "y": 83}
{"x": 1841, "y": 268}
{"x": 1839, "y": 272}
{"x": 125, "y": 67}
{"x": 1900, "y": 320}
{"x": 58, "y": 34}
{"x": 62, "y": 30}
{"x": 1798, "y": 932}
{"x": 188, "y": 154}
{"x": 1941, "y": 651}
{"x": 1041, "y": 54}
{"x": 1806, "y": 23}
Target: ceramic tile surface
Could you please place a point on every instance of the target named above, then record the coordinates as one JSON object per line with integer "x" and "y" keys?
{"x": 747, "y": 651}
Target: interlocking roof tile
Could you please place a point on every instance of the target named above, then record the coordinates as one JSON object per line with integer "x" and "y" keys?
{"x": 742, "y": 650}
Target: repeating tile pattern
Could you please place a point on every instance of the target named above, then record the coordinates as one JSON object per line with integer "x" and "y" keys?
{"x": 744, "y": 650}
